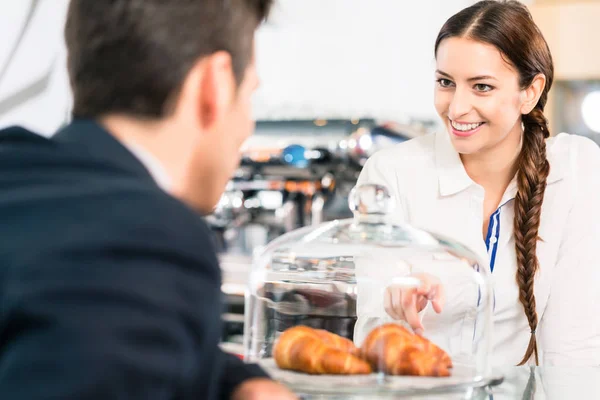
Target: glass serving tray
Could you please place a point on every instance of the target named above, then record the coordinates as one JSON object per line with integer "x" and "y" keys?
{"x": 461, "y": 379}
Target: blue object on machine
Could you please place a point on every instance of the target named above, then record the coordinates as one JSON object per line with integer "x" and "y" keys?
{"x": 294, "y": 155}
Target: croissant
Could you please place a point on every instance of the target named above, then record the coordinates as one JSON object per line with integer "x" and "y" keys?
{"x": 426, "y": 345}
{"x": 393, "y": 349}
{"x": 316, "y": 351}
{"x": 338, "y": 342}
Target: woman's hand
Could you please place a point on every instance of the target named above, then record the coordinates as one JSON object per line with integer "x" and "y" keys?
{"x": 404, "y": 303}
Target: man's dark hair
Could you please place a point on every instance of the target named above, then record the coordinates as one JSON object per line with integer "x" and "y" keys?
{"x": 132, "y": 56}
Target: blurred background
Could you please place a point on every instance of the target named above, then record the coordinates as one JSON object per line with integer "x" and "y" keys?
{"x": 340, "y": 80}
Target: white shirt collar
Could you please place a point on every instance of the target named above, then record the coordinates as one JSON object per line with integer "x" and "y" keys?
{"x": 152, "y": 164}
{"x": 453, "y": 177}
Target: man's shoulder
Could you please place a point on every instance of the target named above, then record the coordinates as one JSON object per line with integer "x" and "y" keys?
{"x": 145, "y": 215}
{"x": 17, "y": 132}
{"x": 139, "y": 224}
{"x": 56, "y": 199}
{"x": 17, "y": 141}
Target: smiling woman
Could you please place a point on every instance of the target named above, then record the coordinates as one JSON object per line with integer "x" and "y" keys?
{"x": 522, "y": 71}
{"x": 496, "y": 166}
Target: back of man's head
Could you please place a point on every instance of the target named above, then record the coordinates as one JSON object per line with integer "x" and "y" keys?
{"x": 131, "y": 56}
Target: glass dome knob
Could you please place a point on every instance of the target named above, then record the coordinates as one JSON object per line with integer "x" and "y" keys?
{"x": 371, "y": 199}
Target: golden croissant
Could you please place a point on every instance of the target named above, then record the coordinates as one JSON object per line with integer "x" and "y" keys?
{"x": 391, "y": 348}
{"x": 316, "y": 351}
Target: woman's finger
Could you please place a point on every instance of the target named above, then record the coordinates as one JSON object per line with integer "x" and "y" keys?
{"x": 421, "y": 303}
{"x": 439, "y": 299}
{"x": 388, "y": 303}
{"x": 425, "y": 286}
{"x": 409, "y": 308}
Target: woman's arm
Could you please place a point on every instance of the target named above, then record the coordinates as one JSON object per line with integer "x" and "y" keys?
{"x": 373, "y": 270}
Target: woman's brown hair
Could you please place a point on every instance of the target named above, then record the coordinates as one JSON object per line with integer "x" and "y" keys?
{"x": 508, "y": 26}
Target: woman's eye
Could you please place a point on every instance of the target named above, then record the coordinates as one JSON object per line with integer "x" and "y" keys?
{"x": 481, "y": 87}
{"x": 444, "y": 82}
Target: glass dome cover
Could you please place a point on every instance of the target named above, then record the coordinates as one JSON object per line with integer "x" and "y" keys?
{"x": 345, "y": 278}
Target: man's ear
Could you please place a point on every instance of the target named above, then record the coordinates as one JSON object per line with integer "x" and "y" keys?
{"x": 217, "y": 89}
{"x": 531, "y": 95}
{"x": 209, "y": 90}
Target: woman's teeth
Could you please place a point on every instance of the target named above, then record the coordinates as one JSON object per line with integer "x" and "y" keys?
{"x": 465, "y": 127}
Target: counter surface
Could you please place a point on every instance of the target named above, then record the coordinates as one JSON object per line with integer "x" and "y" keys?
{"x": 535, "y": 383}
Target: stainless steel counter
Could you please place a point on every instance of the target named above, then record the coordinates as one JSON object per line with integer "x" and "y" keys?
{"x": 539, "y": 383}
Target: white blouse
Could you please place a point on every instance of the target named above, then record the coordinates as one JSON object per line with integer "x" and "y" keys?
{"x": 434, "y": 192}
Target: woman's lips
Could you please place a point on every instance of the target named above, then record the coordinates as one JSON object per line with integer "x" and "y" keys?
{"x": 462, "y": 133}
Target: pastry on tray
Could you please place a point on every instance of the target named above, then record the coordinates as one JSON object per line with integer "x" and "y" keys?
{"x": 316, "y": 351}
{"x": 393, "y": 349}
{"x": 390, "y": 348}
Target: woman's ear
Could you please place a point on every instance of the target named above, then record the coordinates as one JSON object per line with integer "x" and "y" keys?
{"x": 531, "y": 95}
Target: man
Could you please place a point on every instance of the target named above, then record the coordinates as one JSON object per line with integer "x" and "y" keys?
{"x": 109, "y": 285}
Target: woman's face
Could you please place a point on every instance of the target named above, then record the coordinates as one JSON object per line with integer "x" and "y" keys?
{"x": 477, "y": 95}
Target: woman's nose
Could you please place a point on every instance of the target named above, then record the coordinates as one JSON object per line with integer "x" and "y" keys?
{"x": 460, "y": 104}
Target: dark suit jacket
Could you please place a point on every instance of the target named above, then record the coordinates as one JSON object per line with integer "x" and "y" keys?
{"x": 109, "y": 287}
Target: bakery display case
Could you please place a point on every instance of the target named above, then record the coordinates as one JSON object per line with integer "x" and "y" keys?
{"x": 323, "y": 304}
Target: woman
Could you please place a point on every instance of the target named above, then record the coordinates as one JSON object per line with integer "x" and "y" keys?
{"x": 495, "y": 181}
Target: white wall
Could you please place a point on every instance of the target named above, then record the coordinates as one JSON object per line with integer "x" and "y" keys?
{"x": 575, "y": 46}
{"x": 34, "y": 88}
{"x": 316, "y": 58}
{"x": 345, "y": 58}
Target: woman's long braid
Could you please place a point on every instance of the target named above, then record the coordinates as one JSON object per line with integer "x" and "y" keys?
{"x": 531, "y": 179}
